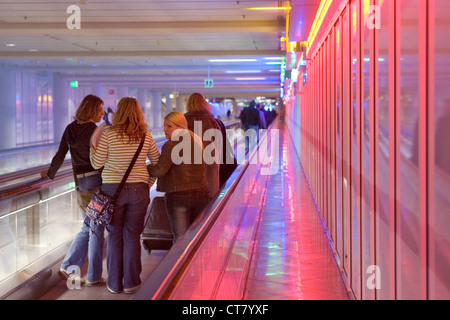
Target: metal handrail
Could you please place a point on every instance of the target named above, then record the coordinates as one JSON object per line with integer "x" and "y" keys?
{"x": 26, "y": 185}
{"x": 160, "y": 284}
{"x": 33, "y": 184}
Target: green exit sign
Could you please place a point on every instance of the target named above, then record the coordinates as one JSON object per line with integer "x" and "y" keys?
{"x": 74, "y": 84}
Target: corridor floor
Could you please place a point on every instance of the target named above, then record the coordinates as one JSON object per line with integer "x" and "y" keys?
{"x": 291, "y": 257}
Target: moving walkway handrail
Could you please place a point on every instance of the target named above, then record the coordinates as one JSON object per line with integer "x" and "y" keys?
{"x": 31, "y": 185}
{"x": 35, "y": 184}
{"x": 16, "y": 179}
{"x": 161, "y": 283}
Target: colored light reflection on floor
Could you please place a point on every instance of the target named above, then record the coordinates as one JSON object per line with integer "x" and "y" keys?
{"x": 292, "y": 259}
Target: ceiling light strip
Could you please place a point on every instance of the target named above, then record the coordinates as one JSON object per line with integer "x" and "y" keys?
{"x": 232, "y": 60}
{"x": 243, "y": 71}
{"x": 270, "y": 8}
{"x": 249, "y": 79}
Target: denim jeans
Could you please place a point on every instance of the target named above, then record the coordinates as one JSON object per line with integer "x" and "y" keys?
{"x": 123, "y": 252}
{"x": 89, "y": 241}
{"x": 249, "y": 143}
{"x": 183, "y": 208}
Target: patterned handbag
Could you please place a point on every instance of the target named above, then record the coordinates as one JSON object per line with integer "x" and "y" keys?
{"x": 101, "y": 207}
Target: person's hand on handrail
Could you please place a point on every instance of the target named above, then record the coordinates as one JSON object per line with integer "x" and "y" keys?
{"x": 44, "y": 173}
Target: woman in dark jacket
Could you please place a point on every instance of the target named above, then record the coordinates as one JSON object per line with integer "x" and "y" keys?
{"x": 181, "y": 175}
{"x": 199, "y": 115}
{"x": 76, "y": 139}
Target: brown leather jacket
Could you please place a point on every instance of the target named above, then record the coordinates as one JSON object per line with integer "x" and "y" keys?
{"x": 174, "y": 177}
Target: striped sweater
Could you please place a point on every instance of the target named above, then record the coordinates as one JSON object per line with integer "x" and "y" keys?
{"x": 115, "y": 155}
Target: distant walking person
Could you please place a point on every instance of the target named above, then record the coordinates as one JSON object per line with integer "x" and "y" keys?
{"x": 76, "y": 139}
{"x": 262, "y": 117}
{"x": 182, "y": 180}
{"x": 250, "y": 119}
{"x": 117, "y": 146}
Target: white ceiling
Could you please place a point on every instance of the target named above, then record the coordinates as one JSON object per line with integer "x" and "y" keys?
{"x": 152, "y": 43}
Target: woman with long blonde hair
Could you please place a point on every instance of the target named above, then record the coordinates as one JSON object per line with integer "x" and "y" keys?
{"x": 116, "y": 148}
{"x": 181, "y": 176}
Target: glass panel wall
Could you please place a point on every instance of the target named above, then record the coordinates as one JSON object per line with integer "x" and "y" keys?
{"x": 366, "y": 215}
{"x": 408, "y": 230}
{"x": 397, "y": 138}
{"x": 34, "y": 108}
{"x": 346, "y": 136}
{"x": 338, "y": 79}
{"x": 385, "y": 136}
{"x": 333, "y": 137}
{"x": 354, "y": 125}
{"x": 439, "y": 218}
{"x": 29, "y": 233}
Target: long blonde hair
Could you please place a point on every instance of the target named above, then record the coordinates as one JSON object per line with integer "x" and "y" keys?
{"x": 178, "y": 119}
{"x": 129, "y": 120}
{"x": 197, "y": 102}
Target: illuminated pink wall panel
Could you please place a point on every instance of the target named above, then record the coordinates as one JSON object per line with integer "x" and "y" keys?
{"x": 374, "y": 117}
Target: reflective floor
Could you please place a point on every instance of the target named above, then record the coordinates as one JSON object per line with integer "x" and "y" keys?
{"x": 292, "y": 259}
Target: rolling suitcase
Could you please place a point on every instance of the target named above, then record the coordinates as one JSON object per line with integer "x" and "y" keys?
{"x": 157, "y": 234}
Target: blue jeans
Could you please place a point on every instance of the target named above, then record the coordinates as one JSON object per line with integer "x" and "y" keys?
{"x": 247, "y": 142}
{"x": 123, "y": 252}
{"x": 183, "y": 208}
{"x": 89, "y": 241}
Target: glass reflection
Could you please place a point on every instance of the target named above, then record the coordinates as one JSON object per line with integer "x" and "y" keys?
{"x": 409, "y": 280}
{"x": 29, "y": 233}
{"x": 354, "y": 150}
{"x": 439, "y": 220}
{"x": 383, "y": 220}
{"x": 366, "y": 215}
